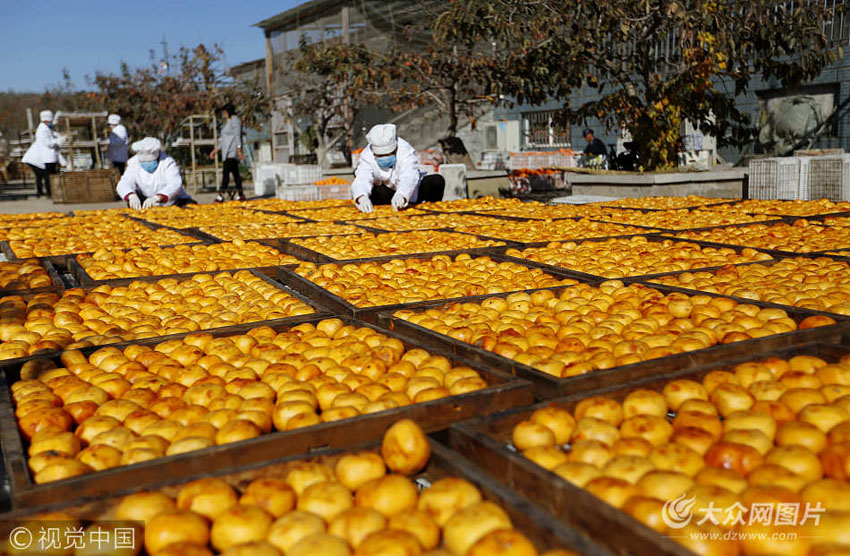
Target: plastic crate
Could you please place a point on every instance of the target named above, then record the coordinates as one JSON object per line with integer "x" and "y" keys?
{"x": 334, "y": 192}
{"x": 775, "y": 178}
{"x": 563, "y": 160}
{"x": 827, "y": 177}
{"x": 536, "y": 161}
{"x": 302, "y": 174}
{"x": 693, "y": 141}
{"x": 298, "y": 192}
{"x": 267, "y": 176}
{"x": 517, "y": 161}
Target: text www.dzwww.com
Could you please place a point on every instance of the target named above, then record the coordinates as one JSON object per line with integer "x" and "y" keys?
{"x": 739, "y": 536}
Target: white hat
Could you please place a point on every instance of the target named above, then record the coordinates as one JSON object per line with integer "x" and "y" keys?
{"x": 382, "y": 139}
{"x": 147, "y": 148}
{"x": 45, "y": 116}
{"x": 113, "y": 119}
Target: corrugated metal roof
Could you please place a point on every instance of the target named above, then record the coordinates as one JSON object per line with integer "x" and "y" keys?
{"x": 298, "y": 14}
{"x": 385, "y": 15}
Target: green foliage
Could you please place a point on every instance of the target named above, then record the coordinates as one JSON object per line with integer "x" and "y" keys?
{"x": 326, "y": 85}
{"x": 13, "y": 111}
{"x": 155, "y": 103}
{"x": 714, "y": 49}
{"x": 62, "y": 96}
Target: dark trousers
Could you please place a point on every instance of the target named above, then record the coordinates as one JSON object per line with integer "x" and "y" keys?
{"x": 120, "y": 166}
{"x": 231, "y": 166}
{"x": 42, "y": 178}
{"x": 431, "y": 190}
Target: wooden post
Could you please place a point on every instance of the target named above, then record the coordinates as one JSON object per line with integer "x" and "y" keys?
{"x": 216, "y": 180}
{"x": 96, "y": 144}
{"x": 270, "y": 87}
{"x": 192, "y": 150}
{"x": 346, "y": 19}
{"x": 70, "y": 142}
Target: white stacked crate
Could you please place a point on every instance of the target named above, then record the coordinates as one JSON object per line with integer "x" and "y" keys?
{"x": 826, "y": 177}
{"x": 297, "y": 183}
{"x": 302, "y": 174}
{"x": 334, "y": 192}
{"x": 298, "y": 193}
{"x": 267, "y": 176}
{"x": 775, "y": 178}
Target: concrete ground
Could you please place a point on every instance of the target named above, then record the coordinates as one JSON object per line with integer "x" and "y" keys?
{"x": 18, "y": 198}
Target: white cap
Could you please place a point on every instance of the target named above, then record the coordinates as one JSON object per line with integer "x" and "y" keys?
{"x": 113, "y": 119}
{"x": 147, "y": 148}
{"x": 45, "y": 116}
{"x": 382, "y": 139}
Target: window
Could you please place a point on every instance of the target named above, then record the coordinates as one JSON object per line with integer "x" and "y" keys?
{"x": 545, "y": 128}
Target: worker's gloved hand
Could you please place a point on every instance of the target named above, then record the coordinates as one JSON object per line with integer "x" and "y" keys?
{"x": 399, "y": 201}
{"x": 134, "y": 202}
{"x": 364, "y": 204}
{"x": 152, "y": 201}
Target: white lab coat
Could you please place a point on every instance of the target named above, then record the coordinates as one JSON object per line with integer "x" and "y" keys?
{"x": 119, "y": 144}
{"x": 165, "y": 180}
{"x": 45, "y": 148}
{"x": 404, "y": 177}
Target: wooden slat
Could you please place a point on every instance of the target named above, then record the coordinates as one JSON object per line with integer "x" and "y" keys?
{"x": 234, "y": 329}
{"x": 338, "y": 305}
{"x": 547, "y": 386}
{"x": 539, "y": 526}
{"x": 502, "y": 392}
{"x": 485, "y": 442}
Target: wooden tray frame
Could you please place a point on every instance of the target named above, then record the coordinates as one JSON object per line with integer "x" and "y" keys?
{"x": 503, "y": 392}
{"x": 483, "y": 441}
{"x": 236, "y": 328}
{"x": 543, "y": 529}
{"x": 547, "y": 386}
{"x": 338, "y": 305}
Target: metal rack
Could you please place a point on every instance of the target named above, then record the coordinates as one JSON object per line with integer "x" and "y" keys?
{"x": 203, "y": 132}
{"x": 76, "y": 124}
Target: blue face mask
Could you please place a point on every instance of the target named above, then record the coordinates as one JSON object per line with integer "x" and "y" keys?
{"x": 150, "y": 165}
{"x": 50, "y": 126}
{"x": 386, "y": 161}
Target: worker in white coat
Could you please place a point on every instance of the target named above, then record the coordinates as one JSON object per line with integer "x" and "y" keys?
{"x": 119, "y": 143}
{"x": 43, "y": 155}
{"x": 152, "y": 178}
{"x": 389, "y": 173}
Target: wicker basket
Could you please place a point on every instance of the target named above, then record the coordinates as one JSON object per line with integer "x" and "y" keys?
{"x": 90, "y": 186}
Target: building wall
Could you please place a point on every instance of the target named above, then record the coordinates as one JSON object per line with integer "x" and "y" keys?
{"x": 837, "y": 75}
{"x": 378, "y": 24}
{"x": 576, "y": 142}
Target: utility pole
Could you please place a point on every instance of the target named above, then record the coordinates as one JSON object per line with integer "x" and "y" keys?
{"x": 167, "y": 67}
{"x": 270, "y": 90}
{"x": 346, "y": 20}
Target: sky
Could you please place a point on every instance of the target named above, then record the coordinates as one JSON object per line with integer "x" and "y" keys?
{"x": 40, "y": 37}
